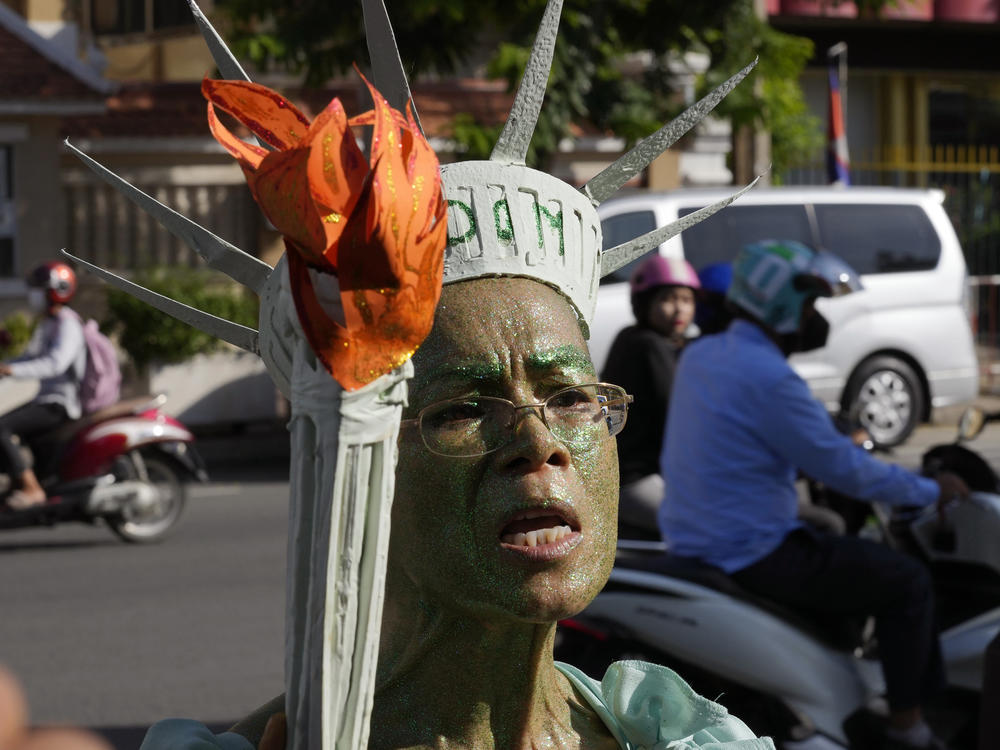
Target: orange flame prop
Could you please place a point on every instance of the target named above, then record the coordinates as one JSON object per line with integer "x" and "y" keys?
{"x": 380, "y": 229}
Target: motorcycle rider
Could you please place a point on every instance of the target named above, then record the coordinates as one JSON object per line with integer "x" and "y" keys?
{"x": 642, "y": 360}
{"x": 746, "y": 423}
{"x": 56, "y": 355}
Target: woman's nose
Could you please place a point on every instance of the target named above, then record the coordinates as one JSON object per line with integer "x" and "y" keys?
{"x": 532, "y": 444}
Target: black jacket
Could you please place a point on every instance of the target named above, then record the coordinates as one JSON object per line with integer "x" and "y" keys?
{"x": 643, "y": 363}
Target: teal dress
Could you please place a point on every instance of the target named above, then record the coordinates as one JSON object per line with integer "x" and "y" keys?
{"x": 644, "y": 706}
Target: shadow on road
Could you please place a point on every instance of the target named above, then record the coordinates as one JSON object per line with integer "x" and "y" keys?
{"x": 12, "y": 547}
{"x": 249, "y": 471}
{"x": 129, "y": 738}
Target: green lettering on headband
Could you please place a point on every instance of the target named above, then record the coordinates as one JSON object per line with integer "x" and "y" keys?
{"x": 555, "y": 221}
{"x": 504, "y": 224}
{"x": 452, "y": 241}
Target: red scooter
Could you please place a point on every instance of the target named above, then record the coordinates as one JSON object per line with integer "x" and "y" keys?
{"x": 126, "y": 465}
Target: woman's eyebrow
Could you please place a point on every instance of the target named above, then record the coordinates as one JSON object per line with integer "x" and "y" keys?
{"x": 466, "y": 372}
{"x": 566, "y": 357}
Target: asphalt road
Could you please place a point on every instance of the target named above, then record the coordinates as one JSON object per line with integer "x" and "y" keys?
{"x": 115, "y": 636}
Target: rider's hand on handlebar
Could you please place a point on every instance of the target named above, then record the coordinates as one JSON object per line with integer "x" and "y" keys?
{"x": 860, "y": 436}
{"x": 4, "y": 370}
{"x": 952, "y": 486}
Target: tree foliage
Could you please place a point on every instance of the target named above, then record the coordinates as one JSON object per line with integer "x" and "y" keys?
{"x": 775, "y": 103}
{"x": 151, "y": 337}
{"x": 592, "y": 80}
{"x": 15, "y": 332}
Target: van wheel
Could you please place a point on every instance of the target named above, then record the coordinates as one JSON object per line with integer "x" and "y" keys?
{"x": 885, "y": 396}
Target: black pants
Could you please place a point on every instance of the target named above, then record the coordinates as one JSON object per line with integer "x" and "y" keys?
{"x": 26, "y": 422}
{"x": 849, "y": 576}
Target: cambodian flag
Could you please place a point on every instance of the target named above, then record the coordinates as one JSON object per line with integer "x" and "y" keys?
{"x": 837, "y": 160}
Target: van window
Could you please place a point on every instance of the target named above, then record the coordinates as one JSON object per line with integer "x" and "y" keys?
{"x": 617, "y": 230}
{"x": 879, "y": 238}
{"x": 718, "y": 238}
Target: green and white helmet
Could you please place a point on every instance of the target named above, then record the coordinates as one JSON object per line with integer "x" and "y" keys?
{"x": 773, "y": 279}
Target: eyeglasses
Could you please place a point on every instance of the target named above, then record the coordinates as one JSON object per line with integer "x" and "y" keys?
{"x": 475, "y": 426}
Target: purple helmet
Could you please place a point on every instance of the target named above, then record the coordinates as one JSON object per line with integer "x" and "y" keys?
{"x": 659, "y": 271}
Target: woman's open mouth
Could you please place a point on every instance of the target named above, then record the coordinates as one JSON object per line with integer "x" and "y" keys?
{"x": 541, "y": 534}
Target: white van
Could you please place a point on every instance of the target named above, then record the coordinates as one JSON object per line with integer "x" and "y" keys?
{"x": 896, "y": 349}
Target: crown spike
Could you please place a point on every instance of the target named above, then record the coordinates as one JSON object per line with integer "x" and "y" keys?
{"x": 621, "y": 255}
{"x": 219, "y": 254}
{"x": 611, "y": 178}
{"x": 225, "y": 60}
{"x": 512, "y": 146}
{"x": 387, "y": 67}
{"x": 235, "y": 334}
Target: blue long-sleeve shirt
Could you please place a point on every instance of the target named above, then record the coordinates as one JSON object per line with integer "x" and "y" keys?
{"x": 741, "y": 424}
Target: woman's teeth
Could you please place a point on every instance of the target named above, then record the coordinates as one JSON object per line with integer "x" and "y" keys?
{"x": 536, "y": 538}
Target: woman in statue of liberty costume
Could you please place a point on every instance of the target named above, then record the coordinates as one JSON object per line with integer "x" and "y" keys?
{"x": 504, "y": 507}
{"x": 501, "y": 545}
{"x": 496, "y": 548}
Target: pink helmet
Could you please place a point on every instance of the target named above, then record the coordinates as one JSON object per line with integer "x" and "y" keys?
{"x": 659, "y": 271}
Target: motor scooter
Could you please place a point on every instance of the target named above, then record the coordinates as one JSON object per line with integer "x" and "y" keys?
{"x": 126, "y": 465}
{"x": 810, "y": 683}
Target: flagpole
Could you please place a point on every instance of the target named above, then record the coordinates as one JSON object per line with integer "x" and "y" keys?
{"x": 839, "y": 51}
{"x": 838, "y": 160}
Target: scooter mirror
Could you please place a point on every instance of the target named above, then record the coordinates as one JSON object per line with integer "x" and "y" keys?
{"x": 971, "y": 423}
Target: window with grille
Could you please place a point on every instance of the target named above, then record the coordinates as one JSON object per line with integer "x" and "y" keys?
{"x": 122, "y": 17}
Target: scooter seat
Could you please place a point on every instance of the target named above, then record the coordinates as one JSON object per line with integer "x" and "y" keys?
{"x": 121, "y": 409}
{"x": 677, "y": 566}
{"x": 841, "y": 633}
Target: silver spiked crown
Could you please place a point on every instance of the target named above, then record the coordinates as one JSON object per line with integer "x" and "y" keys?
{"x": 504, "y": 219}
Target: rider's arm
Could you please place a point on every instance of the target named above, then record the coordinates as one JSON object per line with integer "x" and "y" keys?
{"x": 34, "y": 347}
{"x": 801, "y": 431}
{"x": 56, "y": 354}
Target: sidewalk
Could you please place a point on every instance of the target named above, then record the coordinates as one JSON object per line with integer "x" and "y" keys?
{"x": 949, "y": 415}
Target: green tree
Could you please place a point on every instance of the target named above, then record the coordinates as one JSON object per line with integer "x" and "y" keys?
{"x": 319, "y": 39}
{"x": 15, "y": 332}
{"x": 149, "y": 336}
{"x": 776, "y": 103}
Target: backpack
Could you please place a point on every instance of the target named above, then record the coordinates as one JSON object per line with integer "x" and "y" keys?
{"x": 100, "y": 386}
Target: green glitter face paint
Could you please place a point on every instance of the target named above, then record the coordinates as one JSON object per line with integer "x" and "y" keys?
{"x": 514, "y": 339}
